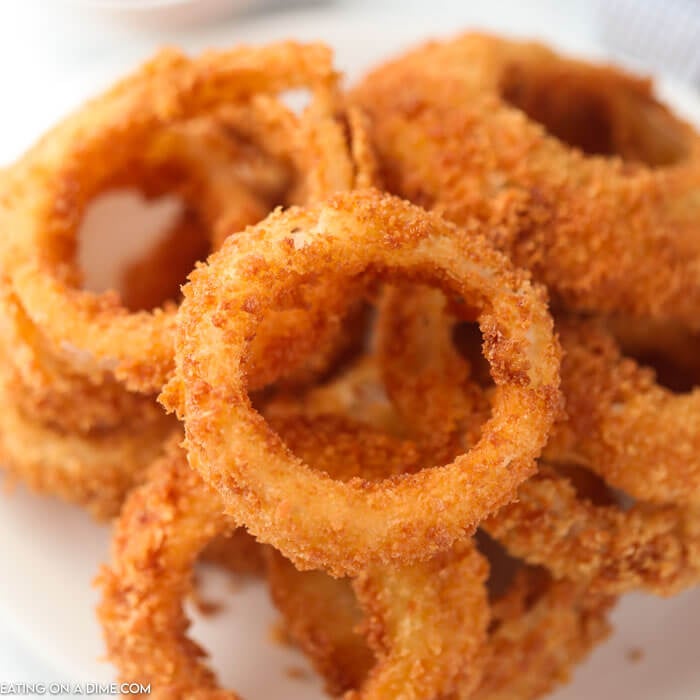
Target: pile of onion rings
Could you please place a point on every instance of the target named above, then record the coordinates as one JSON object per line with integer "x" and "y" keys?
{"x": 83, "y": 368}
{"x": 581, "y": 174}
{"x": 422, "y": 356}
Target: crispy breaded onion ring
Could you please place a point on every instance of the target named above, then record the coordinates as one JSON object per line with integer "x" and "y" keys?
{"x": 222, "y": 183}
{"x": 540, "y": 629}
{"x": 430, "y": 595}
{"x": 603, "y": 209}
{"x": 93, "y": 469}
{"x": 639, "y": 436}
{"x": 357, "y": 235}
{"x": 48, "y": 190}
{"x": 357, "y": 393}
{"x": 430, "y": 615}
{"x": 46, "y": 386}
{"x": 655, "y": 546}
{"x": 163, "y": 527}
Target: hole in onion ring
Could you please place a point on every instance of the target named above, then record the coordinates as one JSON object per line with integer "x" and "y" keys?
{"x": 607, "y": 114}
{"x": 668, "y": 373}
{"x": 155, "y": 279}
{"x": 587, "y": 484}
{"x": 670, "y": 349}
{"x": 296, "y": 100}
{"x": 469, "y": 340}
{"x": 223, "y": 601}
{"x": 119, "y": 228}
{"x": 502, "y": 566}
{"x": 591, "y": 487}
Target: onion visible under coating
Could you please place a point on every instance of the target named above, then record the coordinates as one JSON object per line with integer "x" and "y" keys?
{"x": 539, "y": 630}
{"x": 429, "y": 615}
{"x": 455, "y": 128}
{"x": 650, "y": 545}
{"x": 356, "y": 236}
{"x": 46, "y": 192}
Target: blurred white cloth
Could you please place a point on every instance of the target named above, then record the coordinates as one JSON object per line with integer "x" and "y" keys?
{"x": 656, "y": 35}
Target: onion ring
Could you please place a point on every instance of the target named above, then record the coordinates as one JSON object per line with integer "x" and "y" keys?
{"x": 46, "y": 387}
{"x": 49, "y": 188}
{"x": 166, "y": 523}
{"x": 49, "y": 385}
{"x": 535, "y": 643}
{"x": 538, "y": 631}
{"x": 86, "y": 433}
{"x": 267, "y": 486}
{"x": 452, "y": 132}
{"x": 623, "y": 425}
{"x": 95, "y": 469}
{"x": 655, "y": 546}
{"x": 356, "y": 393}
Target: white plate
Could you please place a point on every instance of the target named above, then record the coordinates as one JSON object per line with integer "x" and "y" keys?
{"x": 50, "y": 552}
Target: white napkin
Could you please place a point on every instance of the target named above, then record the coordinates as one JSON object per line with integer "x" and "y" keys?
{"x": 656, "y": 35}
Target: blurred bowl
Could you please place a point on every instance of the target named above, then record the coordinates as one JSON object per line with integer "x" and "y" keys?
{"x": 162, "y": 14}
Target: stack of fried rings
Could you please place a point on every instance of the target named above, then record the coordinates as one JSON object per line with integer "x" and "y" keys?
{"x": 81, "y": 369}
{"x": 437, "y": 433}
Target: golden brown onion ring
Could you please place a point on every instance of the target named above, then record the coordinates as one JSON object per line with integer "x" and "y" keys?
{"x": 94, "y": 469}
{"x": 540, "y": 629}
{"x": 47, "y": 387}
{"x": 652, "y": 546}
{"x": 49, "y": 188}
{"x": 322, "y": 616}
{"x": 260, "y": 480}
{"x": 427, "y": 615}
{"x": 454, "y": 125}
{"x": 639, "y": 436}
